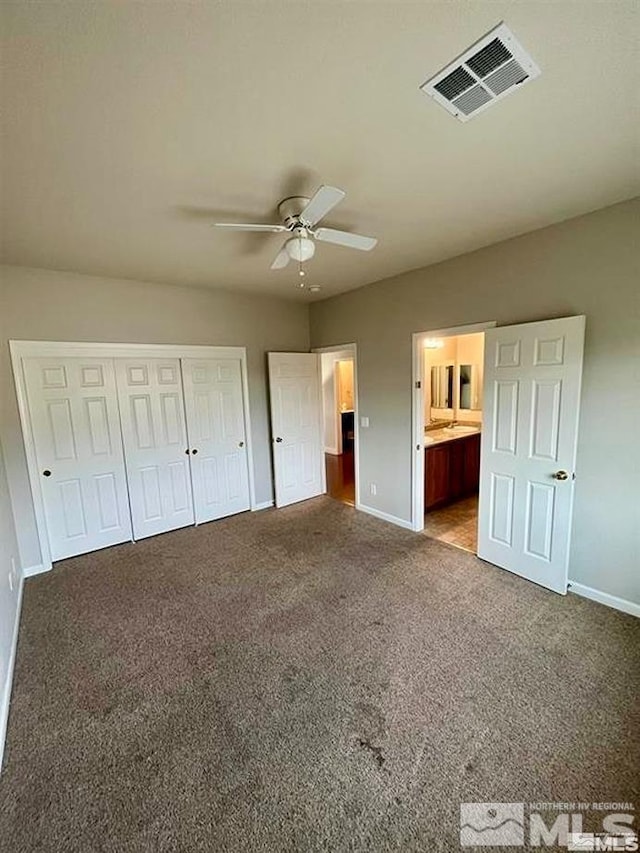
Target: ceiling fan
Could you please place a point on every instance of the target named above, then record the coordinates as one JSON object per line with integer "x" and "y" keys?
{"x": 299, "y": 216}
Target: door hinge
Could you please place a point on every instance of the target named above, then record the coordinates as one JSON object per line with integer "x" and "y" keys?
{"x": 418, "y": 384}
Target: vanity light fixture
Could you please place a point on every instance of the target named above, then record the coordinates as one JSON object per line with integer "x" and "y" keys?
{"x": 433, "y": 343}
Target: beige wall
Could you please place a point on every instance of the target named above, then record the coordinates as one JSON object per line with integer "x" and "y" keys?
{"x": 589, "y": 265}
{"x": 44, "y": 305}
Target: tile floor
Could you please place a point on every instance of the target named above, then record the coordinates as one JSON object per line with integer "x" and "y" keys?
{"x": 456, "y": 524}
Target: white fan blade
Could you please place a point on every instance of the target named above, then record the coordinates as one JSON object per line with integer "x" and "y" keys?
{"x": 323, "y": 201}
{"x": 281, "y": 259}
{"x": 344, "y": 238}
{"x": 247, "y": 226}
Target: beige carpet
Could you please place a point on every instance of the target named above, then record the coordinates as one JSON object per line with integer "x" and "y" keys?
{"x": 307, "y": 679}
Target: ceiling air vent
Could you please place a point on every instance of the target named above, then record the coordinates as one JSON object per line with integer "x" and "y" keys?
{"x": 482, "y": 75}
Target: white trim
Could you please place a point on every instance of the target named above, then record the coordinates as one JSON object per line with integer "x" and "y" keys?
{"x": 262, "y": 505}
{"x": 32, "y": 571}
{"x": 604, "y": 598}
{"x": 384, "y": 516}
{"x": 417, "y": 411}
{"x": 98, "y": 349}
{"x": 352, "y": 348}
{"x": 86, "y": 349}
{"x": 248, "y": 436}
{"x": 6, "y": 687}
{"x": 32, "y": 462}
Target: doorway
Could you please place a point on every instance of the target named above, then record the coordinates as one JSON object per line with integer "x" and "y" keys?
{"x": 448, "y": 400}
{"x": 531, "y": 377}
{"x": 339, "y": 421}
{"x": 452, "y": 368}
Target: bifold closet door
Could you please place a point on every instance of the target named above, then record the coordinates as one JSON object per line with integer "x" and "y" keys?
{"x": 155, "y": 444}
{"x": 216, "y": 430}
{"x": 73, "y": 407}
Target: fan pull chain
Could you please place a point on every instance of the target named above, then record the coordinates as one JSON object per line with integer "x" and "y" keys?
{"x": 300, "y": 270}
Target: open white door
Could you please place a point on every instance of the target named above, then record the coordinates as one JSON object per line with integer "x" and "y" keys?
{"x": 216, "y": 431}
{"x": 532, "y": 377}
{"x": 296, "y": 415}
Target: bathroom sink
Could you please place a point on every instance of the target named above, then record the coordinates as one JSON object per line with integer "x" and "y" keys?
{"x": 461, "y": 430}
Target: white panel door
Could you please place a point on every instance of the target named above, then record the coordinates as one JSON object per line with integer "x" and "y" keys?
{"x": 530, "y": 428}
{"x": 296, "y": 416}
{"x": 155, "y": 444}
{"x": 217, "y": 438}
{"x": 73, "y": 408}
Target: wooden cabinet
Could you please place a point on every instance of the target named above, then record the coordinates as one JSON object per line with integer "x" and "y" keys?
{"x": 456, "y": 469}
{"x": 437, "y": 475}
{"x": 471, "y": 466}
{"x": 452, "y": 470}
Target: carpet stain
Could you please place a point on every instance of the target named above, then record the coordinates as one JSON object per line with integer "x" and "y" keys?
{"x": 376, "y": 751}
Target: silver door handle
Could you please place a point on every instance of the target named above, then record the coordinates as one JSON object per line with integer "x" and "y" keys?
{"x": 560, "y": 475}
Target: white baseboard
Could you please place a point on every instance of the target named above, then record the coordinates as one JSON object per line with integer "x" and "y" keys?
{"x": 392, "y": 519}
{"x": 5, "y": 696}
{"x": 604, "y": 598}
{"x": 36, "y": 570}
{"x": 263, "y": 505}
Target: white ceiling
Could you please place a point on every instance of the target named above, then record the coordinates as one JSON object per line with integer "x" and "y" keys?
{"x": 131, "y": 126}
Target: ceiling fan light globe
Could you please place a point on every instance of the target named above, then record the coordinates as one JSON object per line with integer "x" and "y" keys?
{"x": 300, "y": 249}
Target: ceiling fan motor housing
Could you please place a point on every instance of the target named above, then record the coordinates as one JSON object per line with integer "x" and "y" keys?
{"x": 290, "y": 209}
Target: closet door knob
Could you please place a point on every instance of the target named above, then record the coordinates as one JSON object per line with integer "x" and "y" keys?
{"x": 46, "y": 473}
{"x": 241, "y": 444}
{"x": 278, "y": 439}
{"x": 194, "y": 451}
{"x": 187, "y": 451}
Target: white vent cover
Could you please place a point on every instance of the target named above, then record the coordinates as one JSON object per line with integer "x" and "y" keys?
{"x": 485, "y": 73}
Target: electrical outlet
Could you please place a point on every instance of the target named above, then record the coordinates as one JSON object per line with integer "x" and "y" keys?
{"x": 364, "y": 422}
{"x": 374, "y": 489}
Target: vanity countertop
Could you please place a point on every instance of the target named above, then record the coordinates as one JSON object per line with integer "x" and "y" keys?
{"x": 440, "y": 436}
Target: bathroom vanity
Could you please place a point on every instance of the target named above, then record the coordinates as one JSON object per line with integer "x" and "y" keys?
{"x": 452, "y": 464}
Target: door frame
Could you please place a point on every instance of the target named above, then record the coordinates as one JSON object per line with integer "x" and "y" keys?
{"x": 353, "y": 349}
{"x": 417, "y": 411}
{"x": 78, "y": 349}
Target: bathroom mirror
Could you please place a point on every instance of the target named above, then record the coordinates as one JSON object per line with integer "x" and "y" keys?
{"x": 470, "y": 391}
{"x": 442, "y": 386}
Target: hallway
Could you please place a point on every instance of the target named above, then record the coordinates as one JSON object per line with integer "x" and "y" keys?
{"x": 341, "y": 477}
